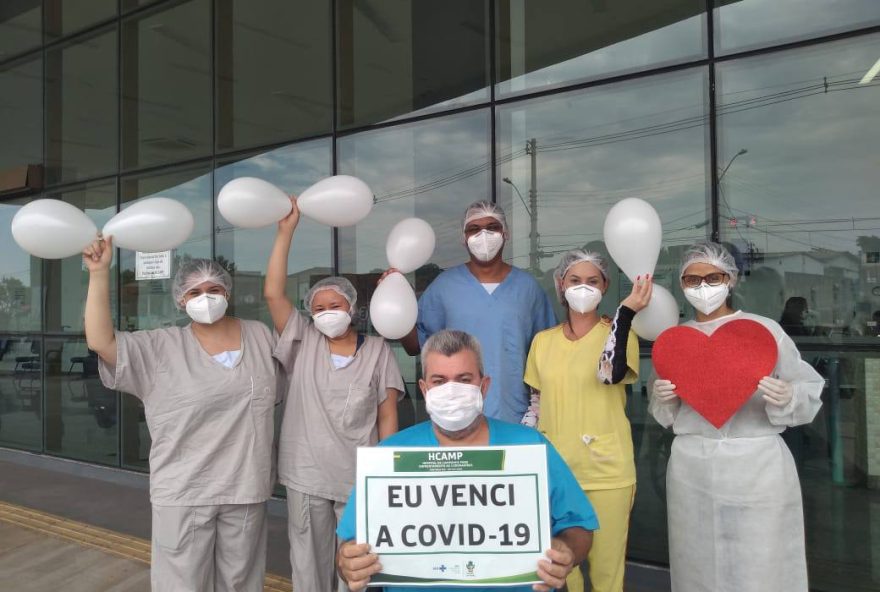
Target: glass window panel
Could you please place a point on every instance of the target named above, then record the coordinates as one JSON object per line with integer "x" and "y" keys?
{"x": 257, "y": 102}
{"x": 293, "y": 169}
{"x": 81, "y": 109}
{"x": 564, "y": 161}
{"x": 166, "y": 85}
{"x": 148, "y": 304}
{"x": 21, "y": 114}
{"x": 67, "y": 279}
{"x": 64, "y": 17}
{"x": 81, "y": 415}
{"x": 798, "y": 187}
{"x": 546, "y": 44}
{"x": 747, "y": 24}
{"x": 403, "y": 58}
{"x": 431, "y": 170}
{"x": 20, "y": 27}
{"x": 20, "y": 278}
{"x": 21, "y": 392}
{"x": 135, "y": 434}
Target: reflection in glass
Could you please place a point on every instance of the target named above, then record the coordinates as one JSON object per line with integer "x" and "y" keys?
{"x": 20, "y": 27}
{"x": 21, "y": 115}
{"x": 798, "y": 197}
{"x": 292, "y": 168}
{"x": 257, "y": 102}
{"x": 431, "y": 170}
{"x": 747, "y": 24}
{"x": 20, "y": 277}
{"x": 798, "y": 150}
{"x": 564, "y": 161}
{"x": 81, "y": 415}
{"x": 68, "y": 280}
{"x": 63, "y": 17}
{"x": 21, "y": 389}
{"x": 166, "y": 85}
{"x": 148, "y": 304}
{"x": 545, "y": 44}
{"x": 401, "y": 58}
{"x": 81, "y": 130}
{"x": 135, "y": 434}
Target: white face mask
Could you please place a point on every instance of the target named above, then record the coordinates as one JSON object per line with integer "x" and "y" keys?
{"x": 207, "y": 308}
{"x": 332, "y": 323}
{"x": 454, "y": 405}
{"x": 705, "y": 298}
{"x": 583, "y": 298}
{"x": 485, "y": 244}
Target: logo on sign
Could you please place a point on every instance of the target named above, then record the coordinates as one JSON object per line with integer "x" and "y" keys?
{"x": 469, "y": 566}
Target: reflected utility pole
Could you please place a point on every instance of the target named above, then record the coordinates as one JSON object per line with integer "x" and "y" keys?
{"x": 531, "y": 208}
{"x": 532, "y": 151}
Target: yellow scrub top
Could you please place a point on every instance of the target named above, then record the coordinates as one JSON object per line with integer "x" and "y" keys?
{"x": 584, "y": 418}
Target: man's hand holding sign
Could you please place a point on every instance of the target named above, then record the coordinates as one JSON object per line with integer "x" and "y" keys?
{"x": 463, "y": 500}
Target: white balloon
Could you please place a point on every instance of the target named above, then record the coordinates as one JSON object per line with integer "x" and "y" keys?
{"x": 394, "y": 309}
{"x": 341, "y": 200}
{"x": 248, "y": 202}
{"x": 52, "y": 229}
{"x": 151, "y": 225}
{"x": 410, "y": 244}
{"x": 633, "y": 235}
{"x": 660, "y": 314}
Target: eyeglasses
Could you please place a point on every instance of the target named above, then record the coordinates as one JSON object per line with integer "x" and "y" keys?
{"x": 712, "y": 279}
{"x": 473, "y": 229}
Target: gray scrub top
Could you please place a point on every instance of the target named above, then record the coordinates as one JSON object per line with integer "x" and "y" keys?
{"x": 211, "y": 426}
{"x": 329, "y": 412}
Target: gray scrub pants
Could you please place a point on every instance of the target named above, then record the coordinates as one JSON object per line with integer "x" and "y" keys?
{"x": 209, "y": 548}
{"x": 311, "y": 527}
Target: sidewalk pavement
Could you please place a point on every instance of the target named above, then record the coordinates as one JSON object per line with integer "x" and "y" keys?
{"x": 80, "y": 528}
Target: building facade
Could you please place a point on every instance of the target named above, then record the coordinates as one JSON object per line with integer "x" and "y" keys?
{"x": 754, "y": 122}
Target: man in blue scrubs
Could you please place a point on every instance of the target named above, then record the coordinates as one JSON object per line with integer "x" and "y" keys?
{"x": 454, "y": 386}
{"x": 499, "y": 304}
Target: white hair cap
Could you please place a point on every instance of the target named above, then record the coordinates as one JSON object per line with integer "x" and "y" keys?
{"x": 198, "y": 271}
{"x": 484, "y": 209}
{"x": 338, "y": 284}
{"x": 713, "y": 254}
{"x": 574, "y": 257}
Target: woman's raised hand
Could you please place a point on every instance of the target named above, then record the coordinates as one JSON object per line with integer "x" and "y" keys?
{"x": 98, "y": 255}
{"x": 641, "y": 293}
{"x": 288, "y": 223}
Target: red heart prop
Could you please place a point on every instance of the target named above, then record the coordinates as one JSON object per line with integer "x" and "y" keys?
{"x": 716, "y": 374}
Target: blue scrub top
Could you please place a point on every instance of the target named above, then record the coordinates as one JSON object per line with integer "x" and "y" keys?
{"x": 504, "y": 322}
{"x": 569, "y": 506}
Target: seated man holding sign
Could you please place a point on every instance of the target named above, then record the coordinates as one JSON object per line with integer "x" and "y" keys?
{"x": 454, "y": 387}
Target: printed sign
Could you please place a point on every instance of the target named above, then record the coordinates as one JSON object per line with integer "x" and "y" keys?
{"x": 454, "y": 516}
{"x": 153, "y": 266}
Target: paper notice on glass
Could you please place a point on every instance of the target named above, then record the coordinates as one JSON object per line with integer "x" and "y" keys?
{"x": 153, "y": 266}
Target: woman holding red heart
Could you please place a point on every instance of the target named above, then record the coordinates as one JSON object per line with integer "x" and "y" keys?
{"x": 734, "y": 501}
{"x": 578, "y": 372}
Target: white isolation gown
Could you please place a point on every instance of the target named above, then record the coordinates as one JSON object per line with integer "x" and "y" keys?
{"x": 735, "y": 513}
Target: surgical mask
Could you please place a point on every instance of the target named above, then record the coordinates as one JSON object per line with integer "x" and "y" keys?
{"x": 485, "y": 244}
{"x": 332, "y": 323}
{"x": 207, "y": 308}
{"x": 454, "y": 405}
{"x": 705, "y": 298}
{"x": 583, "y": 298}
